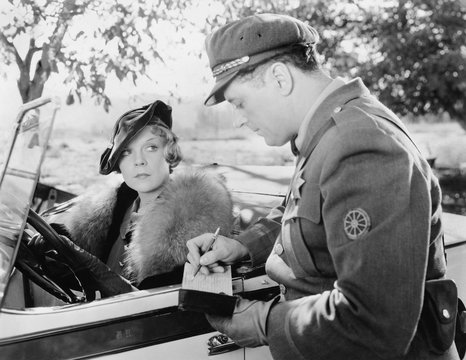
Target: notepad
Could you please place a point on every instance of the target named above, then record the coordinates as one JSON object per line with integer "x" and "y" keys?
{"x": 210, "y": 294}
{"x": 218, "y": 283}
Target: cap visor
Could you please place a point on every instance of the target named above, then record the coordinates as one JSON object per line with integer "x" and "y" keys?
{"x": 216, "y": 95}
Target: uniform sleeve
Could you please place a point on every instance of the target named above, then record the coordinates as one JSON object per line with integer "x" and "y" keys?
{"x": 260, "y": 237}
{"x": 376, "y": 301}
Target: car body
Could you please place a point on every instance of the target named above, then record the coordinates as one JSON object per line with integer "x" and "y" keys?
{"x": 140, "y": 324}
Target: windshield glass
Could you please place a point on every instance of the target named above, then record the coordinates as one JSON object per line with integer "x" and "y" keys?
{"x": 19, "y": 176}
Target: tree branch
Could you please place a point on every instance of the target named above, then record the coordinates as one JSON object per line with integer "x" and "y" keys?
{"x": 31, "y": 51}
{"x": 10, "y": 47}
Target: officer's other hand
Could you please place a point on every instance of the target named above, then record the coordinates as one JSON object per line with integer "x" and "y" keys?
{"x": 223, "y": 251}
{"x": 247, "y": 326}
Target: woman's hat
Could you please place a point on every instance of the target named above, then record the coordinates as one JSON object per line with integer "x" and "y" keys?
{"x": 128, "y": 126}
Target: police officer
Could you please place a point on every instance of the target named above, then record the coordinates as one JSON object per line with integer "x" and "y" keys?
{"x": 360, "y": 231}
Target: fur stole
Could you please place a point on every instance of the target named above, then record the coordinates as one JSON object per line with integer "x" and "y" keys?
{"x": 89, "y": 218}
{"x": 192, "y": 203}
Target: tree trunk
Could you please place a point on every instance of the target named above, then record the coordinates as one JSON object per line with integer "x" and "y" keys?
{"x": 33, "y": 89}
{"x": 23, "y": 83}
{"x": 41, "y": 75}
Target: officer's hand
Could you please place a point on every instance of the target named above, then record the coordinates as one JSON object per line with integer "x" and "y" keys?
{"x": 247, "y": 326}
{"x": 224, "y": 250}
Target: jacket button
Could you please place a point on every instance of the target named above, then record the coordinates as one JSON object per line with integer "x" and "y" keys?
{"x": 446, "y": 313}
{"x": 337, "y": 110}
{"x": 282, "y": 289}
{"x": 278, "y": 249}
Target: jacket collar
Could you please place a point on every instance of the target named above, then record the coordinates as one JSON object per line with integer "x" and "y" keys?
{"x": 331, "y": 104}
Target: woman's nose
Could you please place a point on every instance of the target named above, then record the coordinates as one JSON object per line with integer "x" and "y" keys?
{"x": 139, "y": 159}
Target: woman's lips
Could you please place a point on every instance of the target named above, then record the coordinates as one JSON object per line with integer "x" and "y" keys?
{"x": 141, "y": 176}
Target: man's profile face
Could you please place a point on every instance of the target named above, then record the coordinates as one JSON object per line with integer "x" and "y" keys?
{"x": 258, "y": 106}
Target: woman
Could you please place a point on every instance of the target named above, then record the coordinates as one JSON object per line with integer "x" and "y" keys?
{"x": 139, "y": 228}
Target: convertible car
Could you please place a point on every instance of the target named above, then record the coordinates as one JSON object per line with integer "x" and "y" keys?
{"x": 140, "y": 324}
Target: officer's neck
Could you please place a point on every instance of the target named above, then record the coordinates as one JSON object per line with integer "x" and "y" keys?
{"x": 307, "y": 88}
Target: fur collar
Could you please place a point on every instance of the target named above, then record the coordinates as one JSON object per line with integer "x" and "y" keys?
{"x": 88, "y": 218}
{"x": 193, "y": 202}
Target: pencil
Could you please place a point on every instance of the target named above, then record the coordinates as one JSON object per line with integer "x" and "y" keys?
{"x": 212, "y": 241}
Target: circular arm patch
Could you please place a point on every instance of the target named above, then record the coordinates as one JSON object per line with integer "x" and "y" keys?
{"x": 356, "y": 223}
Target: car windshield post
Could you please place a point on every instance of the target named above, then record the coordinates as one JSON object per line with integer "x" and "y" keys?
{"x": 19, "y": 177}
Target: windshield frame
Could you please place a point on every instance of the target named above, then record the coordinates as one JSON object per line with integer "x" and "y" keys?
{"x": 19, "y": 176}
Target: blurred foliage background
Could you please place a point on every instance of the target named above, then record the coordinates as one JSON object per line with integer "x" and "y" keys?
{"x": 411, "y": 53}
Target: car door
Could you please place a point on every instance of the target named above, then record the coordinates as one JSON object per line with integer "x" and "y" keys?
{"x": 141, "y": 324}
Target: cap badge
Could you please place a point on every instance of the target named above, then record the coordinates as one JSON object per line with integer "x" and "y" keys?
{"x": 356, "y": 223}
{"x": 229, "y": 65}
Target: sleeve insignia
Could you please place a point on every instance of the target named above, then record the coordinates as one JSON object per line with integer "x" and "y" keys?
{"x": 356, "y": 223}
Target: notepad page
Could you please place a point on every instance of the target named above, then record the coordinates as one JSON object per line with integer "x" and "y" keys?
{"x": 214, "y": 282}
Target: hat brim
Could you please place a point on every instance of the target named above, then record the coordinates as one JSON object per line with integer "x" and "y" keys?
{"x": 216, "y": 95}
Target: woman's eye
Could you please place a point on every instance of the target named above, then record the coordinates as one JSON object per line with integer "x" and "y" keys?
{"x": 125, "y": 152}
{"x": 152, "y": 148}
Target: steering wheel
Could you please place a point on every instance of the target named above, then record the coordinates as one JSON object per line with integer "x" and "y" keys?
{"x": 66, "y": 267}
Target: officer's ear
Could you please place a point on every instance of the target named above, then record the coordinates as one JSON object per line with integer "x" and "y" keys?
{"x": 281, "y": 77}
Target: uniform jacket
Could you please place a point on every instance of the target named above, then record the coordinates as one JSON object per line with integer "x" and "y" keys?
{"x": 193, "y": 202}
{"x": 359, "y": 235}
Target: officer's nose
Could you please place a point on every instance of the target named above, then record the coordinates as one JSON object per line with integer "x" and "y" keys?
{"x": 239, "y": 121}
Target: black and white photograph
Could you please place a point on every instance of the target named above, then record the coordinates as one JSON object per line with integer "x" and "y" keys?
{"x": 233, "y": 179}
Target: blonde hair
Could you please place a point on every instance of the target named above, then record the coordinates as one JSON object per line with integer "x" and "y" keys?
{"x": 172, "y": 150}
